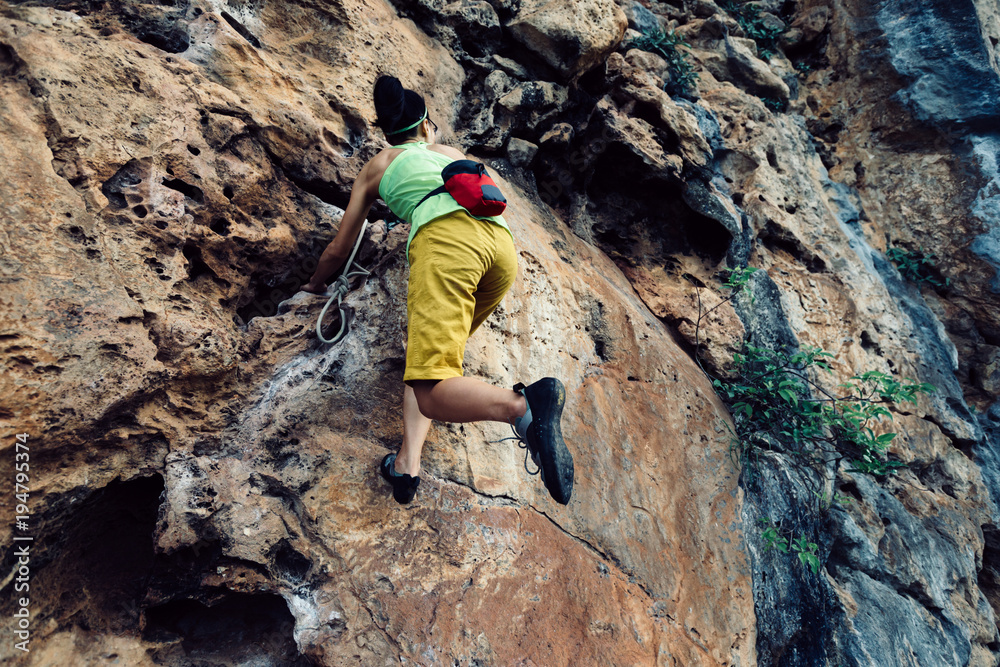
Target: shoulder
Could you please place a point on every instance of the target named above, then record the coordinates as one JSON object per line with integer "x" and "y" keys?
{"x": 453, "y": 153}
{"x": 375, "y": 168}
{"x": 371, "y": 174}
{"x": 377, "y": 165}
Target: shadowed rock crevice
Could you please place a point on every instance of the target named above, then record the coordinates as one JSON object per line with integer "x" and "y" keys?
{"x": 228, "y": 627}
{"x": 989, "y": 575}
{"x": 92, "y": 571}
{"x": 240, "y": 28}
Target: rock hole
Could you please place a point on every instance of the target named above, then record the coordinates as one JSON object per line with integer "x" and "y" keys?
{"x": 160, "y": 224}
{"x": 232, "y": 628}
{"x": 194, "y": 150}
{"x": 196, "y": 265}
{"x": 776, "y": 237}
{"x": 290, "y": 564}
{"x": 94, "y": 565}
{"x": 128, "y": 176}
{"x": 268, "y": 291}
{"x": 188, "y": 190}
{"x": 851, "y": 489}
{"x": 220, "y": 226}
{"x": 140, "y": 211}
{"x": 164, "y": 34}
{"x": 869, "y": 343}
{"x": 626, "y": 225}
{"x": 772, "y": 159}
{"x": 228, "y": 192}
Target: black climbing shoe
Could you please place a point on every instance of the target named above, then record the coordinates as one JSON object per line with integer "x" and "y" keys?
{"x": 403, "y": 486}
{"x": 544, "y": 436}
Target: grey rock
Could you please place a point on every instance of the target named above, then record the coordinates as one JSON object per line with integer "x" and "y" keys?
{"x": 987, "y": 456}
{"x": 986, "y": 150}
{"x": 560, "y": 134}
{"x": 704, "y": 199}
{"x": 572, "y": 36}
{"x": 705, "y": 8}
{"x": 640, "y": 18}
{"x": 534, "y": 101}
{"x": 521, "y": 152}
{"x": 511, "y": 67}
{"x": 938, "y": 46}
{"x": 497, "y": 84}
{"x": 475, "y": 23}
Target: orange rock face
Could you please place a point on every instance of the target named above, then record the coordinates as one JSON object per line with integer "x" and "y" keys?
{"x": 170, "y": 183}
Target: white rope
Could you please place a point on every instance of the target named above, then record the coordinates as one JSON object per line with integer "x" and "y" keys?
{"x": 340, "y": 288}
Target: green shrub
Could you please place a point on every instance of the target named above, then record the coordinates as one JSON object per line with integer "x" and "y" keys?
{"x": 777, "y": 106}
{"x": 772, "y": 406}
{"x": 776, "y": 404}
{"x": 749, "y": 18}
{"x": 664, "y": 44}
{"x": 916, "y": 266}
{"x": 774, "y": 539}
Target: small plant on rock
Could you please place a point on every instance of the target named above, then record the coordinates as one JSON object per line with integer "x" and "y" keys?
{"x": 665, "y": 45}
{"x": 916, "y": 266}
{"x": 755, "y": 26}
{"x": 777, "y": 404}
{"x": 772, "y": 405}
{"x": 775, "y": 539}
{"x": 776, "y": 106}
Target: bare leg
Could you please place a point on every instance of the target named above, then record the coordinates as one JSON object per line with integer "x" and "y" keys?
{"x": 465, "y": 399}
{"x": 415, "y": 427}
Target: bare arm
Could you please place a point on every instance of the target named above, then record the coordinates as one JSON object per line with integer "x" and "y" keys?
{"x": 364, "y": 192}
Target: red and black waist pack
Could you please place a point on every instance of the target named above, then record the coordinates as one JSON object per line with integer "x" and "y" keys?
{"x": 473, "y": 189}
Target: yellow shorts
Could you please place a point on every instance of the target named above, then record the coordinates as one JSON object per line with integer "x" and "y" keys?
{"x": 460, "y": 269}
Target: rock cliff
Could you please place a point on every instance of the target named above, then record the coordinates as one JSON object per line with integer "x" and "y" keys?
{"x": 202, "y": 485}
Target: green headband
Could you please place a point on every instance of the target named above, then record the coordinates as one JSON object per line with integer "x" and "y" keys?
{"x": 410, "y": 127}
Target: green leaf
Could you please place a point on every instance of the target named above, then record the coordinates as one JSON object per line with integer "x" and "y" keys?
{"x": 811, "y": 561}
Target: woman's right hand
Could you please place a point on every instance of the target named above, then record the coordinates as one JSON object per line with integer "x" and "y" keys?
{"x": 314, "y": 289}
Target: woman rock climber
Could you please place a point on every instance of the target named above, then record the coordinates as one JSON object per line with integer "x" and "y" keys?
{"x": 460, "y": 268}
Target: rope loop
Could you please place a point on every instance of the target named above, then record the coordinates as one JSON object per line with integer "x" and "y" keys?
{"x": 341, "y": 286}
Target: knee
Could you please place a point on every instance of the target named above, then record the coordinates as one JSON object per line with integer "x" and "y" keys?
{"x": 422, "y": 392}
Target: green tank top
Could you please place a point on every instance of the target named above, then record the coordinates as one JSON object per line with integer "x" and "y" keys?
{"x": 410, "y": 176}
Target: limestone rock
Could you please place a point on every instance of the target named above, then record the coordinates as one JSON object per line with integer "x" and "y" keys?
{"x": 735, "y": 59}
{"x": 511, "y": 67}
{"x": 533, "y": 102}
{"x": 570, "y": 36}
{"x": 203, "y": 470}
{"x": 986, "y": 375}
{"x": 560, "y": 134}
{"x": 476, "y": 24}
{"x": 806, "y": 28}
{"x": 521, "y": 152}
{"x": 162, "y": 210}
{"x": 640, "y": 18}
